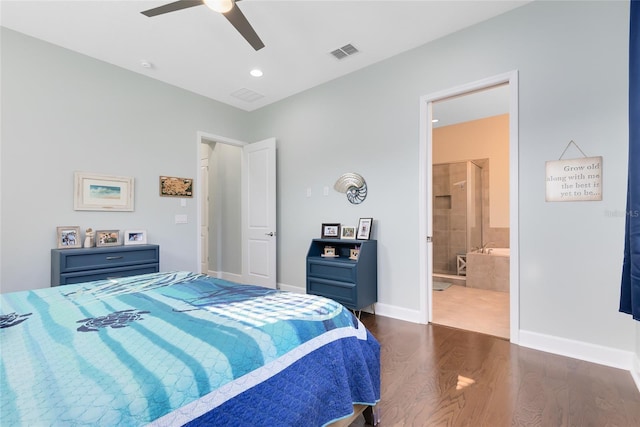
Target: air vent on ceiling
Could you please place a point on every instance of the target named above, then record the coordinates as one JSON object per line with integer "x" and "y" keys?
{"x": 344, "y": 51}
{"x": 247, "y": 95}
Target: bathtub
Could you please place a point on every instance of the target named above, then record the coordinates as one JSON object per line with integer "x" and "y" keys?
{"x": 499, "y": 251}
{"x": 489, "y": 270}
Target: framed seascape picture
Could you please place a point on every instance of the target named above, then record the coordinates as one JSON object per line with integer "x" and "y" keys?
{"x": 330, "y": 231}
{"x": 94, "y": 192}
{"x": 69, "y": 237}
{"x": 135, "y": 237}
{"x": 364, "y": 228}
{"x": 171, "y": 186}
{"x": 348, "y": 232}
{"x": 108, "y": 238}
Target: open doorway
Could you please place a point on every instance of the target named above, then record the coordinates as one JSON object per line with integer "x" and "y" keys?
{"x": 237, "y": 218}
{"x": 469, "y": 205}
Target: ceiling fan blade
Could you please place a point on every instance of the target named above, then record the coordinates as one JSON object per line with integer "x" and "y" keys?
{"x": 171, "y": 7}
{"x": 238, "y": 20}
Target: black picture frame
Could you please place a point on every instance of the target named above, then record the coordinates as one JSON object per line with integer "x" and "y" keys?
{"x": 330, "y": 230}
{"x": 364, "y": 228}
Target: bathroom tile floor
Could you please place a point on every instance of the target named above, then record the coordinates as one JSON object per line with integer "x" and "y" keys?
{"x": 472, "y": 309}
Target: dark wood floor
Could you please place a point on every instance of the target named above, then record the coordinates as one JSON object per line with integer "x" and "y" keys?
{"x": 438, "y": 376}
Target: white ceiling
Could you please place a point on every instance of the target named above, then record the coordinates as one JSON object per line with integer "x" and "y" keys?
{"x": 199, "y": 50}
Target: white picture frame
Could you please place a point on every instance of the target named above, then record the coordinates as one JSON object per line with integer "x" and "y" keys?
{"x": 93, "y": 192}
{"x": 348, "y": 232}
{"x": 135, "y": 237}
{"x": 69, "y": 237}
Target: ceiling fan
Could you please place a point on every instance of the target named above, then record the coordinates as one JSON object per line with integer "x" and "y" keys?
{"x": 228, "y": 8}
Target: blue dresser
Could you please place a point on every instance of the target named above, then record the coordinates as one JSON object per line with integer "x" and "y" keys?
{"x": 353, "y": 283}
{"x": 87, "y": 264}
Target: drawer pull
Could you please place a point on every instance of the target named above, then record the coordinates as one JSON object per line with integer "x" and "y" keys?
{"x": 114, "y": 257}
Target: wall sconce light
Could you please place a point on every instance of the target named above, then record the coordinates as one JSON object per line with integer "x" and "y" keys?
{"x": 353, "y": 185}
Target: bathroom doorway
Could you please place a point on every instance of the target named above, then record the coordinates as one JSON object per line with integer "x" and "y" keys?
{"x": 469, "y": 202}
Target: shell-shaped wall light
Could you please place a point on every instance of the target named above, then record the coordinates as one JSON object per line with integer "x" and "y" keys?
{"x": 353, "y": 185}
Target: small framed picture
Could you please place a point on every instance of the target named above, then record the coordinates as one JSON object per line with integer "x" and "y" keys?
{"x": 364, "y": 228}
{"x": 108, "y": 238}
{"x": 331, "y": 231}
{"x": 135, "y": 237}
{"x": 354, "y": 253}
{"x": 172, "y": 186}
{"x": 69, "y": 237}
{"x": 348, "y": 232}
{"x": 329, "y": 251}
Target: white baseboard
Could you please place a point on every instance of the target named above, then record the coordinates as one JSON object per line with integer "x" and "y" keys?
{"x": 635, "y": 371}
{"x": 290, "y": 288}
{"x": 399, "y": 313}
{"x": 578, "y": 350}
{"x": 225, "y": 276}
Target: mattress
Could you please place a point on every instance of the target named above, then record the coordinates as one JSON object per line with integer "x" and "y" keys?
{"x": 179, "y": 348}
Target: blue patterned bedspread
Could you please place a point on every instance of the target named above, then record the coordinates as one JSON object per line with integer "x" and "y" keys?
{"x": 170, "y": 349}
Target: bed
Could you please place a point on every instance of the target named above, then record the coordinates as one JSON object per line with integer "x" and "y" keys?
{"x": 179, "y": 348}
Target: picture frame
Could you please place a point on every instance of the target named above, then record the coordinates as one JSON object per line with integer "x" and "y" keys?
{"x": 108, "y": 238}
{"x": 329, "y": 251}
{"x": 69, "y": 237}
{"x": 364, "y": 228}
{"x": 94, "y": 192}
{"x": 330, "y": 231}
{"x": 135, "y": 237}
{"x": 172, "y": 186}
{"x": 348, "y": 232}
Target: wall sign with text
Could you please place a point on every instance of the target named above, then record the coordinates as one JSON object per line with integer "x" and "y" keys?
{"x": 573, "y": 180}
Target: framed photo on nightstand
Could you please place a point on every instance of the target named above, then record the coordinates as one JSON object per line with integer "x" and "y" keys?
{"x": 364, "y": 228}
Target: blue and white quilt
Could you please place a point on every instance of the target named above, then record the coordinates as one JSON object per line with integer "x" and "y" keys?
{"x": 171, "y": 349}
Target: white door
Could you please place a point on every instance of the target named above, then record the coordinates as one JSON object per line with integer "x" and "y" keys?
{"x": 259, "y": 211}
{"x": 204, "y": 214}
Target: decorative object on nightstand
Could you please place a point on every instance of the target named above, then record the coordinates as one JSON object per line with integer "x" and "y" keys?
{"x": 347, "y": 232}
{"x": 69, "y": 237}
{"x": 353, "y": 185}
{"x": 329, "y": 251}
{"x": 352, "y": 283}
{"x": 364, "y": 228}
{"x": 90, "y": 238}
{"x": 330, "y": 231}
{"x": 108, "y": 238}
{"x": 135, "y": 237}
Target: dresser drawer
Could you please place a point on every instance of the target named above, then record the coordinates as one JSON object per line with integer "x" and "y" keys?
{"x": 99, "y": 258}
{"x": 111, "y": 273}
{"x": 345, "y": 271}
{"x": 87, "y": 264}
{"x": 342, "y": 292}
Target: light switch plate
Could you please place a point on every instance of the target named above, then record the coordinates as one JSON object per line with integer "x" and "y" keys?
{"x": 181, "y": 219}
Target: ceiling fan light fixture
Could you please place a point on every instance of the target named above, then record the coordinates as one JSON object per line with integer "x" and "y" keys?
{"x": 220, "y": 6}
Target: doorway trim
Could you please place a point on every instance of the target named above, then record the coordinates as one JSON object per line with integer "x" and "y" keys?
{"x": 207, "y": 138}
{"x": 425, "y": 208}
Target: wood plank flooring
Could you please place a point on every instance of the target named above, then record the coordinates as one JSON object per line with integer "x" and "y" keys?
{"x": 439, "y": 376}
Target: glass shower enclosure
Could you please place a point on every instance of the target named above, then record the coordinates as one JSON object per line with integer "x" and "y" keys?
{"x": 457, "y": 214}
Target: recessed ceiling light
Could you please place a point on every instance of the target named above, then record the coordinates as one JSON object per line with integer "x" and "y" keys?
{"x": 435, "y": 121}
{"x": 146, "y": 64}
{"x": 256, "y": 72}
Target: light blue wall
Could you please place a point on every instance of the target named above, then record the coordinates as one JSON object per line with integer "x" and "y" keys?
{"x": 572, "y": 59}
{"x": 63, "y": 112}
